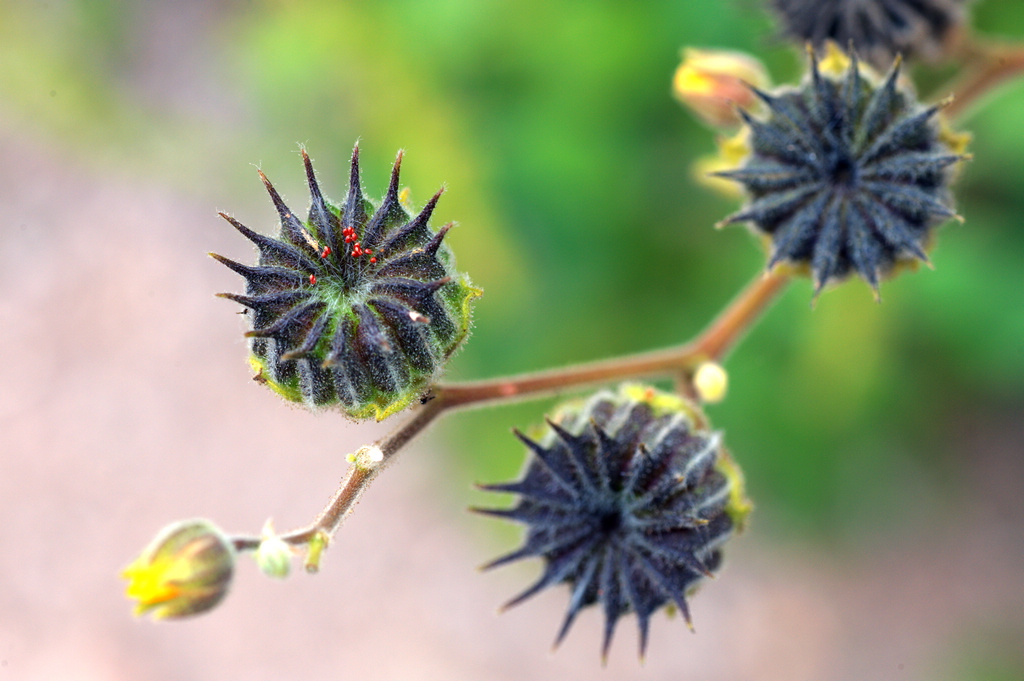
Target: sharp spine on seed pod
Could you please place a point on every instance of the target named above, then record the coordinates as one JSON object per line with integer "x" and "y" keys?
{"x": 359, "y": 306}
{"x": 847, "y": 174}
{"x": 628, "y": 500}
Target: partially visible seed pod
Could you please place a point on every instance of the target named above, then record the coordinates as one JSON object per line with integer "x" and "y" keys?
{"x": 878, "y": 29}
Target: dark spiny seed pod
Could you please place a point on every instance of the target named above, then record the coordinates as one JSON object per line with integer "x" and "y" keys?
{"x": 847, "y": 174}
{"x": 878, "y": 29}
{"x": 359, "y": 306}
{"x": 628, "y": 499}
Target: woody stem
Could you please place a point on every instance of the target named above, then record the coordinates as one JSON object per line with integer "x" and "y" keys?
{"x": 993, "y": 66}
{"x": 711, "y": 345}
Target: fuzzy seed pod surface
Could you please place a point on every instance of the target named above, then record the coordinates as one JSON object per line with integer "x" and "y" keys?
{"x": 359, "y": 306}
{"x": 628, "y": 498}
{"x": 848, "y": 173}
{"x": 878, "y": 29}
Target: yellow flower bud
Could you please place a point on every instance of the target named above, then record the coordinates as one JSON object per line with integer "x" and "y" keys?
{"x": 712, "y": 82}
{"x": 184, "y": 571}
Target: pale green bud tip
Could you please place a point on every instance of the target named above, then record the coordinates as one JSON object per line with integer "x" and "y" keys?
{"x": 185, "y": 570}
{"x": 273, "y": 556}
{"x": 367, "y": 458}
{"x": 315, "y": 551}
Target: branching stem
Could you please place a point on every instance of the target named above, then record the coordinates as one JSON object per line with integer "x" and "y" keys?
{"x": 991, "y": 66}
{"x": 987, "y": 67}
{"x": 713, "y": 344}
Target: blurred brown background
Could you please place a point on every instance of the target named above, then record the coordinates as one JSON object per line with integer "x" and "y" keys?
{"x": 882, "y": 443}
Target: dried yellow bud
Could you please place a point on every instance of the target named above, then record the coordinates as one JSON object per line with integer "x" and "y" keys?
{"x": 711, "y": 83}
{"x": 185, "y": 570}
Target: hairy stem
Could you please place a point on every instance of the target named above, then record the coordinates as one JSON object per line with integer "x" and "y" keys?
{"x": 680, "y": 362}
{"x": 711, "y": 345}
{"x": 992, "y": 66}
{"x": 365, "y": 467}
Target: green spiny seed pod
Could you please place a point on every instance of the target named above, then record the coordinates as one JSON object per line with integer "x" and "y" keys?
{"x": 360, "y": 306}
{"x": 878, "y": 29}
{"x": 848, "y": 173}
{"x": 628, "y": 498}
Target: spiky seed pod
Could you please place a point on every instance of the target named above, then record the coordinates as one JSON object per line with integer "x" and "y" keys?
{"x": 359, "y": 306}
{"x": 878, "y": 29}
{"x": 628, "y": 498}
{"x": 848, "y": 173}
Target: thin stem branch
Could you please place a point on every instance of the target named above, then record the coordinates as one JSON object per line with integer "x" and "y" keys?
{"x": 995, "y": 66}
{"x": 711, "y": 345}
{"x": 366, "y": 464}
{"x": 734, "y": 322}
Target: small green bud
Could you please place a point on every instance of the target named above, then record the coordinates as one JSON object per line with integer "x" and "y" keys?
{"x": 273, "y": 555}
{"x": 359, "y": 306}
{"x": 315, "y": 551}
{"x": 367, "y": 458}
{"x": 185, "y": 570}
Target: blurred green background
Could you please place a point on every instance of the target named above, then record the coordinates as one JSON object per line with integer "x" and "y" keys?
{"x": 568, "y": 169}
